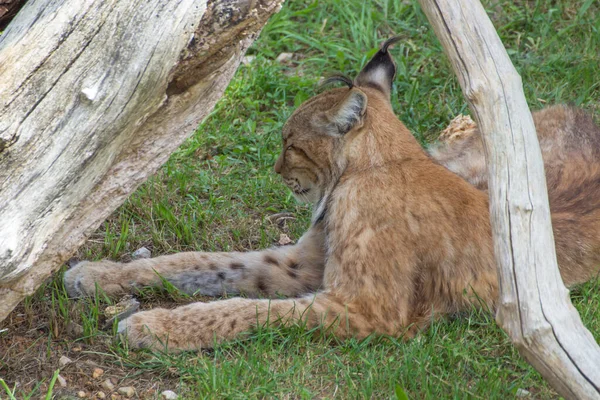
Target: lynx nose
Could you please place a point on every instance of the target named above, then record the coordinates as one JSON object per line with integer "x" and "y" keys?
{"x": 278, "y": 164}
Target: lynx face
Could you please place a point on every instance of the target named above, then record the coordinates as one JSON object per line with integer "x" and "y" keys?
{"x": 313, "y": 140}
{"x": 317, "y": 136}
{"x": 302, "y": 170}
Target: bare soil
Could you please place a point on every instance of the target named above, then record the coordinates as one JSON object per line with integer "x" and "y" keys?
{"x": 33, "y": 339}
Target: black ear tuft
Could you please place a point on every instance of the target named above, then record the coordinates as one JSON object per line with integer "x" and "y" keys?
{"x": 389, "y": 42}
{"x": 380, "y": 71}
{"x": 337, "y": 78}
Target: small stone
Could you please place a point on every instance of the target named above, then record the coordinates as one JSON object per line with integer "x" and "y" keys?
{"x": 247, "y": 60}
{"x": 284, "y": 57}
{"x": 284, "y": 239}
{"x": 522, "y": 393}
{"x": 142, "y": 252}
{"x": 76, "y": 348}
{"x": 74, "y": 329}
{"x": 115, "y": 396}
{"x": 63, "y": 361}
{"x": 169, "y": 395}
{"x": 126, "y": 391}
{"x": 61, "y": 381}
{"x": 108, "y": 385}
{"x": 97, "y": 373}
{"x": 101, "y": 395}
{"x": 81, "y": 394}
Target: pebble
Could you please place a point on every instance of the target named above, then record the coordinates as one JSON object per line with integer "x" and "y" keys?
{"x": 247, "y": 60}
{"x": 74, "y": 329}
{"x": 169, "y": 395}
{"x": 108, "y": 385}
{"x": 284, "y": 239}
{"x": 126, "y": 391}
{"x": 523, "y": 393}
{"x": 283, "y": 57}
{"x": 61, "y": 381}
{"x": 81, "y": 394}
{"x": 64, "y": 361}
{"x": 101, "y": 395}
{"x": 97, "y": 373}
{"x": 115, "y": 396}
{"x": 142, "y": 252}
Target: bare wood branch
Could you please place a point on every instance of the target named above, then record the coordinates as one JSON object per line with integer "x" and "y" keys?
{"x": 535, "y": 308}
{"x": 94, "y": 96}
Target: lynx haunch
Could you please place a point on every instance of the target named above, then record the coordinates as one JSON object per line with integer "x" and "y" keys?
{"x": 396, "y": 237}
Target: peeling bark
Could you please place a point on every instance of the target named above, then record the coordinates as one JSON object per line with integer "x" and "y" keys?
{"x": 94, "y": 97}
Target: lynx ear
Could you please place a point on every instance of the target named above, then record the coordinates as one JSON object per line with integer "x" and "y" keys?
{"x": 380, "y": 70}
{"x": 346, "y": 115}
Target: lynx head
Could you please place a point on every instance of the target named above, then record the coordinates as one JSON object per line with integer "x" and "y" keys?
{"x": 315, "y": 136}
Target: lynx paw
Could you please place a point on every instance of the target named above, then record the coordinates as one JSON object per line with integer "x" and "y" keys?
{"x": 82, "y": 279}
{"x": 152, "y": 329}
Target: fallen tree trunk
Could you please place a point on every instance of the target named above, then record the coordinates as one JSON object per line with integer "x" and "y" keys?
{"x": 94, "y": 96}
{"x": 534, "y": 308}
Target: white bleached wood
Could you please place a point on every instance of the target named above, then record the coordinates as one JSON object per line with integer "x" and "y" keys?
{"x": 534, "y": 308}
{"x": 94, "y": 96}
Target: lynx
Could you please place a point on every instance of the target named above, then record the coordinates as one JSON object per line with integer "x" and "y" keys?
{"x": 398, "y": 236}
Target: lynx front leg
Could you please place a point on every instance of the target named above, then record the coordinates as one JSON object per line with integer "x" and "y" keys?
{"x": 286, "y": 271}
{"x": 199, "y": 325}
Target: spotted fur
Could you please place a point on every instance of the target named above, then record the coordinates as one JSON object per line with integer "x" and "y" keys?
{"x": 397, "y": 238}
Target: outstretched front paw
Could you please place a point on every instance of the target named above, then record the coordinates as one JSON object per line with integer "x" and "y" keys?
{"x": 191, "y": 327}
{"x": 157, "y": 329}
{"x": 82, "y": 279}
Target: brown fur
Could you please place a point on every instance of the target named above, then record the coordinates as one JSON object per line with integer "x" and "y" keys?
{"x": 396, "y": 237}
{"x": 570, "y": 143}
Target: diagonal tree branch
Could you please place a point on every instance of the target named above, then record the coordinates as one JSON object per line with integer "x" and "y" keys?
{"x": 535, "y": 308}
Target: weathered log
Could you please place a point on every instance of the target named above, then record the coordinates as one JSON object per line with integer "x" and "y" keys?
{"x": 94, "y": 96}
{"x": 535, "y": 308}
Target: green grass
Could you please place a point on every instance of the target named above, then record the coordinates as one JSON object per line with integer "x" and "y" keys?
{"x": 215, "y": 193}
